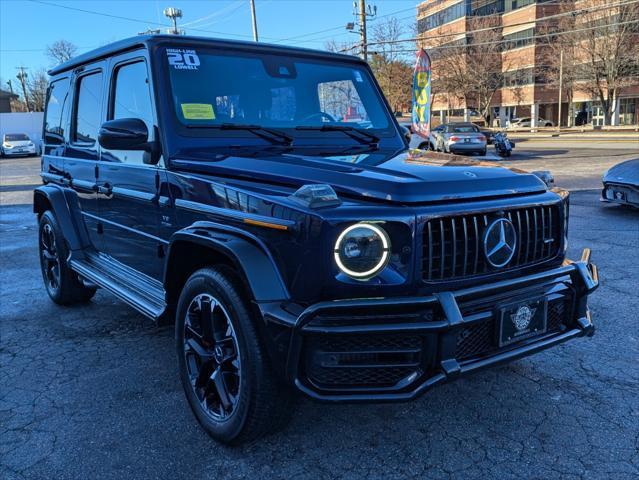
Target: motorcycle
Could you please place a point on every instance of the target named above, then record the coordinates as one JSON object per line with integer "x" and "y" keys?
{"x": 503, "y": 145}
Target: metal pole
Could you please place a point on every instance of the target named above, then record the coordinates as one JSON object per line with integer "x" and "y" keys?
{"x": 362, "y": 29}
{"x": 254, "y": 21}
{"x": 561, "y": 80}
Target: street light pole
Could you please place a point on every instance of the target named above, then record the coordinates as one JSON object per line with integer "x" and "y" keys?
{"x": 255, "y": 38}
{"x": 561, "y": 80}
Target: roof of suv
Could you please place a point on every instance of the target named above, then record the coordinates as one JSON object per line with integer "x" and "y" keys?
{"x": 191, "y": 41}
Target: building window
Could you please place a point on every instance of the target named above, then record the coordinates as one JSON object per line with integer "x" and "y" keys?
{"x": 519, "y": 39}
{"x": 628, "y": 111}
{"x": 515, "y": 4}
{"x": 481, "y": 8}
{"x": 446, "y": 15}
{"x": 518, "y": 78}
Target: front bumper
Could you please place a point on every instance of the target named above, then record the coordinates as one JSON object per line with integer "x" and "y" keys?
{"x": 394, "y": 349}
{"x": 621, "y": 193}
{"x": 10, "y": 152}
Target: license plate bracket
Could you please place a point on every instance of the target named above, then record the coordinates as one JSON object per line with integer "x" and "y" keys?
{"x": 521, "y": 320}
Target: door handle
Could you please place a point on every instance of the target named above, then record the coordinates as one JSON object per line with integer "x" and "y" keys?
{"x": 106, "y": 189}
{"x": 67, "y": 179}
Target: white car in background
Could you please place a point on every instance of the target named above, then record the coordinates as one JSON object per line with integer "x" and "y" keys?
{"x": 525, "y": 122}
{"x": 14, "y": 144}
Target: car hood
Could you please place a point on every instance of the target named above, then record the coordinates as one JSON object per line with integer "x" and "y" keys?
{"x": 625, "y": 172}
{"x": 413, "y": 176}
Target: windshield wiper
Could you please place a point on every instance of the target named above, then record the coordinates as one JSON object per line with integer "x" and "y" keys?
{"x": 362, "y": 136}
{"x": 274, "y": 136}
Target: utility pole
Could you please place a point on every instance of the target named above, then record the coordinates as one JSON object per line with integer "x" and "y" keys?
{"x": 254, "y": 21}
{"x": 22, "y": 76}
{"x": 363, "y": 13}
{"x": 362, "y": 29}
{"x": 561, "y": 80}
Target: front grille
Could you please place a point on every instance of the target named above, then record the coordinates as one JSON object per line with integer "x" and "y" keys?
{"x": 453, "y": 246}
{"x": 481, "y": 338}
{"x": 362, "y": 360}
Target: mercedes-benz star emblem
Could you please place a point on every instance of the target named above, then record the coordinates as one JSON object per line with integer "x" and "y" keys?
{"x": 500, "y": 241}
{"x": 522, "y": 317}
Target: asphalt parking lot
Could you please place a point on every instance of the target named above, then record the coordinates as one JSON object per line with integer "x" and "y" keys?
{"x": 93, "y": 392}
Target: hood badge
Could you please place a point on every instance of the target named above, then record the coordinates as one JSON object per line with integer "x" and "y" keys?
{"x": 470, "y": 174}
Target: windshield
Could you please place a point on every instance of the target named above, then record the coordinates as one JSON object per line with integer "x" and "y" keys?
{"x": 212, "y": 88}
{"x": 15, "y": 137}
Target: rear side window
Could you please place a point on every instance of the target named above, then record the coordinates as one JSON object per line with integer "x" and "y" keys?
{"x": 56, "y": 106}
{"x": 88, "y": 111}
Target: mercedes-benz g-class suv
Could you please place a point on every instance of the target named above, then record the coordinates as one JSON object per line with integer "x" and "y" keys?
{"x": 264, "y": 198}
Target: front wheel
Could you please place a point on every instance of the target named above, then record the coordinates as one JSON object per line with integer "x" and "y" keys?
{"x": 225, "y": 371}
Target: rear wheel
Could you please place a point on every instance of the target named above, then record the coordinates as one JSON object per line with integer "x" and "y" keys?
{"x": 224, "y": 369}
{"x": 62, "y": 284}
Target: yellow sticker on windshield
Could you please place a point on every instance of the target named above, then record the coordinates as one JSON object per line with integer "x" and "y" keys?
{"x": 198, "y": 111}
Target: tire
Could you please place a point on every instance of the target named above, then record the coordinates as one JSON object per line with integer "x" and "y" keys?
{"x": 548, "y": 125}
{"x": 483, "y": 152}
{"x": 62, "y": 284}
{"x": 257, "y": 402}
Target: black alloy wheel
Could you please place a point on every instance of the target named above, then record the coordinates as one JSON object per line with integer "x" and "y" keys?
{"x": 49, "y": 259}
{"x": 224, "y": 367}
{"x": 211, "y": 355}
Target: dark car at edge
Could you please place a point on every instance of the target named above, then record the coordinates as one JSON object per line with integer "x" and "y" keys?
{"x": 264, "y": 199}
{"x": 621, "y": 184}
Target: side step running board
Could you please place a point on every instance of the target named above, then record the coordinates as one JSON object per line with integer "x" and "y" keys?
{"x": 144, "y": 294}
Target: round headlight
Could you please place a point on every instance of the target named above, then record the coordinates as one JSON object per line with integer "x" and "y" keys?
{"x": 362, "y": 250}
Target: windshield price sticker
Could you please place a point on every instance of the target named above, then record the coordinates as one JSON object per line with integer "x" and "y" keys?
{"x": 183, "y": 59}
{"x": 198, "y": 111}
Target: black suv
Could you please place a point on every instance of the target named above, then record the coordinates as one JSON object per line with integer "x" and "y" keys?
{"x": 265, "y": 199}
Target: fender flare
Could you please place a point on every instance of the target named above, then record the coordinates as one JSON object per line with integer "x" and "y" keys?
{"x": 64, "y": 205}
{"x": 248, "y": 253}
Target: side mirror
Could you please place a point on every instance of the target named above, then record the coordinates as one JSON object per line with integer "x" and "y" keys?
{"x": 406, "y": 133}
{"x": 124, "y": 134}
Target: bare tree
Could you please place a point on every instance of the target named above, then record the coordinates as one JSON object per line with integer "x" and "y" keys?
{"x": 37, "y": 86}
{"x": 601, "y": 51}
{"x": 471, "y": 68}
{"x": 390, "y": 64}
{"x": 60, "y": 51}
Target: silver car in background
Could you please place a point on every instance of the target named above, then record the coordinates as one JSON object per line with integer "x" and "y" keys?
{"x": 17, "y": 144}
{"x": 459, "y": 138}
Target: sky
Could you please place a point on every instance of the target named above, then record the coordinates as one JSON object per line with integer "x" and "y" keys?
{"x": 28, "y": 26}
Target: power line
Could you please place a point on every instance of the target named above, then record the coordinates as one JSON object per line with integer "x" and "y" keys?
{"x": 137, "y": 20}
{"x": 546, "y": 35}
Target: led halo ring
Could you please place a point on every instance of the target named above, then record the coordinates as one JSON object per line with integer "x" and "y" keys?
{"x": 383, "y": 260}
